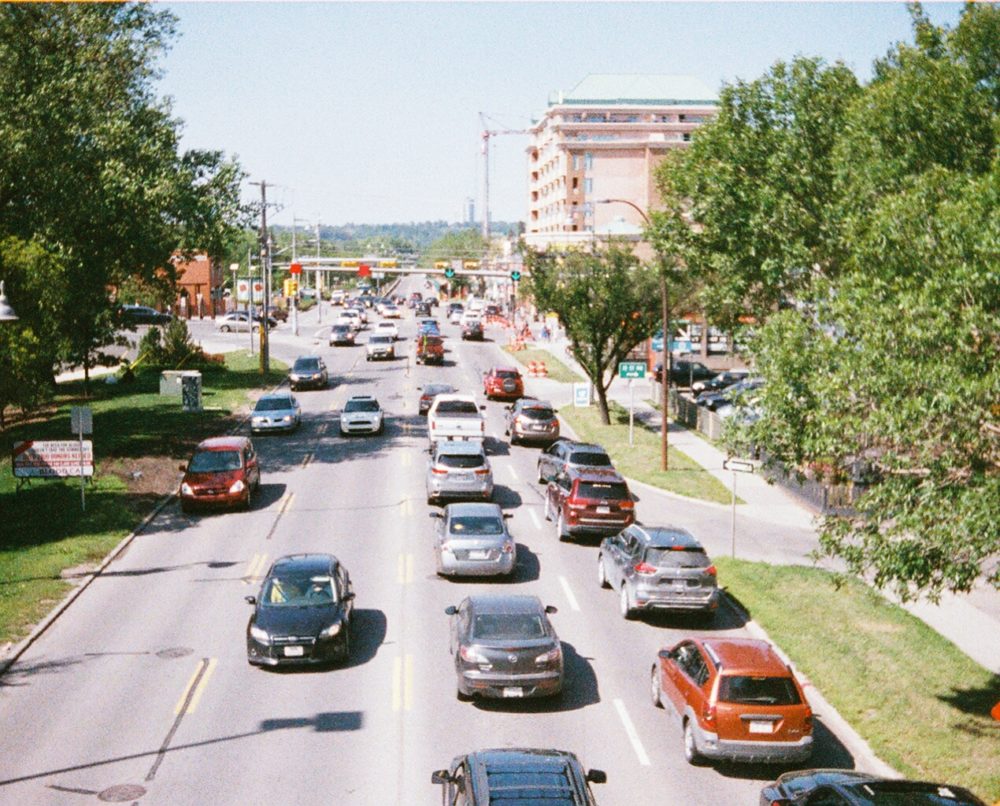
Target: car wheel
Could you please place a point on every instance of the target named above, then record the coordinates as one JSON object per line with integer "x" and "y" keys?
{"x": 624, "y": 606}
{"x": 248, "y": 501}
{"x": 548, "y": 509}
{"x": 224, "y": 328}
{"x": 561, "y": 528}
{"x": 691, "y": 754}
{"x": 461, "y": 696}
{"x": 541, "y": 478}
{"x": 514, "y": 439}
{"x": 602, "y": 574}
{"x": 654, "y": 687}
{"x": 381, "y": 427}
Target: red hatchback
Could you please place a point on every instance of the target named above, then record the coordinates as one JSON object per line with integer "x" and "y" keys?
{"x": 589, "y": 501}
{"x": 223, "y": 471}
{"x": 503, "y": 383}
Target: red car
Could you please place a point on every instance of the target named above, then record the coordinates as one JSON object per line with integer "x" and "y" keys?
{"x": 503, "y": 383}
{"x": 589, "y": 501}
{"x": 224, "y": 471}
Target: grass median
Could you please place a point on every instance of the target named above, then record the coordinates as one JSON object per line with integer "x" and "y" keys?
{"x": 921, "y": 703}
{"x": 139, "y": 439}
{"x": 642, "y": 460}
{"x": 557, "y": 370}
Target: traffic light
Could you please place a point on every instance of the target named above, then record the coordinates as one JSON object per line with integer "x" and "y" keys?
{"x": 449, "y": 272}
{"x": 515, "y": 275}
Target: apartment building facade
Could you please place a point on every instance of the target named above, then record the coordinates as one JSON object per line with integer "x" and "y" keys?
{"x": 603, "y": 140}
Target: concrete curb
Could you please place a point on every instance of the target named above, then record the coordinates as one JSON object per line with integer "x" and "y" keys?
{"x": 864, "y": 757}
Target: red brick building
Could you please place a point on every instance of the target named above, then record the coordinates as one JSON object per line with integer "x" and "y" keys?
{"x": 199, "y": 286}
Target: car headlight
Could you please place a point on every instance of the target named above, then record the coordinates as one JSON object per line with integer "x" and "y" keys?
{"x": 287, "y": 418}
{"x": 331, "y": 631}
{"x": 237, "y": 486}
{"x": 186, "y": 489}
{"x": 257, "y": 420}
{"x": 551, "y": 656}
{"x": 259, "y": 634}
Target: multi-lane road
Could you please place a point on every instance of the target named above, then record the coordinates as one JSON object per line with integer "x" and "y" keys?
{"x": 140, "y": 692}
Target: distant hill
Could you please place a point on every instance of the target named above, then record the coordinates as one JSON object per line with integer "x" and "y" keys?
{"x": 418, "y": 235}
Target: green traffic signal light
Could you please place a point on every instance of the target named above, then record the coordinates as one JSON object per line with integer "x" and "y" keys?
{"x": 449, "y": 273}
{"x": 515, "y": 276}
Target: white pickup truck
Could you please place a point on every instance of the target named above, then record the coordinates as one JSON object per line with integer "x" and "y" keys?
{"x": 455, "y": 417}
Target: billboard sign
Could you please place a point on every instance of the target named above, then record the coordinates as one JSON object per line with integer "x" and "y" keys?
{"x": 52, "y": 459}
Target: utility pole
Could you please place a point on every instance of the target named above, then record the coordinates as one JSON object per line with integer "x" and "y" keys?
{"x": 265, "y": 267}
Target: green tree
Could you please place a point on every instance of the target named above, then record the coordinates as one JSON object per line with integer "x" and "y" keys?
{"x": 607, "y": 300}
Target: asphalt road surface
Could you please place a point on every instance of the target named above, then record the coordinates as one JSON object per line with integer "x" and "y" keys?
{"x": 141, "y": 691}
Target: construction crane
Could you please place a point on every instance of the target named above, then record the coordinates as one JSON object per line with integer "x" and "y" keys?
{"x": 487, "y": 134}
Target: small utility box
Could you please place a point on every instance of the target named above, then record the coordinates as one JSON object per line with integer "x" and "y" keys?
{"x": 170, "y": 382}
{"x": 191, "y": 390}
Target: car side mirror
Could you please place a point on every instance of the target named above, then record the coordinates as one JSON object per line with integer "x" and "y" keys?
{"x": 508, "y": 515}
{"x": 597, "y": 776}
{"x": 250, "y": 600}
{"x": 450, "y": 610}
{"x": 349, "y": 596}
{"x": 435, "y": 514}
{"x": 183, "y": 468}
{"x": 665, "y": 654}
{"x": 482, "y": 408}
{"x": 550, "y": 609}
{"x": 440, "y": 777}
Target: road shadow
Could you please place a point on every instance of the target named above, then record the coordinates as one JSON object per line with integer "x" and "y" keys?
{"x": 580, "y": 689}
{"x": 506, "y": 497}
{"x": 496, "y": 447}
{"x": 724, "y": 618}
{"x": 973, "y": 706}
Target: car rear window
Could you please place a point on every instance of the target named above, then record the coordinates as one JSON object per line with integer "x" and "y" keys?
{"x": 676, "y": 558}
{"x": 361, "y": 405}
{"x": 507, "y": 373}
{"x": 502, "y": 626}
{"x": 748, "y": 690}
{"x": 476, "y": 525}
{"x": 461, "y": 460}
{"x": 590, "y": 459}
{"x": 538, "y": 413}
{"x": 214, "y": 461}
{"x": 604, "y": 490}
{"x": 457, "y": 407}
{"x": 273, "y": 404}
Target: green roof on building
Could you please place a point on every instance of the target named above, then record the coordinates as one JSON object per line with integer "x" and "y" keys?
{"x": 635, "y": 89}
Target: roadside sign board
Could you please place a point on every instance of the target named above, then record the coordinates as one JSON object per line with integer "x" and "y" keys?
{"x": 81, "y": 420}
{"x": 581, "y": 395}
{"x": 52, "y": 459}
{"x": 632, "y": 369}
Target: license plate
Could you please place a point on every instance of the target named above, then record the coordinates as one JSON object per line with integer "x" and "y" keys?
{"x": 479, "y": 555}
{"x": 513, "y": 691}
{"x": 296, "y": 652}
{"x": 604, "y": 510}
{"x": 757, "y": 726}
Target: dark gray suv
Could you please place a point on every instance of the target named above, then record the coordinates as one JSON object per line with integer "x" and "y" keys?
{"x": 565, "y": 454}
{"x": 658, "y": 568}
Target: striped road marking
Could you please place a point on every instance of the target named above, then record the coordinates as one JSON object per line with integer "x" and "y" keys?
{"x": 402, "y": 683}
{"x": 574, "y": 605}
{"x": 633, "y": 735}
{"x": 405, "y": 569}
{"x": 255, "y": 568}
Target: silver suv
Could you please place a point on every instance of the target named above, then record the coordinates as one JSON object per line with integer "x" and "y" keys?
{"x": 472, "y": 540}
{"x": 459, "y": 470}
{"x": 658, "y": 568}
{"x": 380, "y": 346}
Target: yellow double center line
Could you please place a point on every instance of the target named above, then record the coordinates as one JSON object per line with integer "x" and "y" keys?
{"x": 255, "y": 569}
{"x": 405, "y": 569}
{"x": 188, "y": 703}
{"x": 402, "y": 683}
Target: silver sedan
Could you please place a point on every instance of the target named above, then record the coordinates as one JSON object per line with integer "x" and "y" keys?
{"x": 472, "y": 540}
{"x": 276, "y": 412}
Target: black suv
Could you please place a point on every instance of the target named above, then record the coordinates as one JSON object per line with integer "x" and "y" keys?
{"x": 684, "y": 372}
{"x": 512, "y": 775}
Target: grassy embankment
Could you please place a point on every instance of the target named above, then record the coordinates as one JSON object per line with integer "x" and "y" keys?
{"x": 557, "y": 370}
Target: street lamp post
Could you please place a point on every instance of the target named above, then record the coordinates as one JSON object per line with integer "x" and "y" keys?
{"x": 665, "y": 349}
{"x": 7, "y": 313}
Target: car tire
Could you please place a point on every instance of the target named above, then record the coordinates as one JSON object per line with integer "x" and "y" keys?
{"x": 624, "y": 607}
{"x": 381, "y": 427}
{"x": 431, "y": 500}
{"x": 541, "y": 478}
{"x": 461, "y": 696}
{"x": 691, "y": 754}
{"x": 561, "y": 528}
{"x": 514, "y": 439}
{"x": 602, "y": 574}
{"x": 224, "y": 329}
{"x": 654, "y": 688}
{"x": 548, "y": 509}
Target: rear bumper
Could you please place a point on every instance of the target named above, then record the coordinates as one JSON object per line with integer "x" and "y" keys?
{"x": 475, "y": 490}
{"x": 447, "y": 564}
{"x": 710, "y": 746}
{"x": 491, "y": 685}
{"x": 588, "y": 525}
{"x": 660, "y": 599}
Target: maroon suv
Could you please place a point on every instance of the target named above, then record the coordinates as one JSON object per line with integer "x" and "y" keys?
{"x": 589, "y": 501}
{"x": 222, "y": 472}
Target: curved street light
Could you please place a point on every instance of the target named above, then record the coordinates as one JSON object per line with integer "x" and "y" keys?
{"x": 7, "y": 313}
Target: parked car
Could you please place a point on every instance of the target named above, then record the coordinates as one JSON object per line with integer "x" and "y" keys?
{"x": 472, "y": 330}
{"x": 503, "y": 383}
{"x": 431, "y": 391}
{"x": 505, "y": 647}
{"x": 658, "y": 568}
{"x": 734, "y": 700}
{"x": 342, "y": 335}
{"x": 132, "y": 315}
{"x": 308, "y": 372}
{"x": 854, "y": 788}
{"x": 566, "y": 454}
{"x": 387, "y": 329}
{"x": 430, "y": 349}
{"x": 532, "y": 421}
{"x": 380, "y": 346}
{"x": 302, "y": 614}
{"x": 222, "y": 472}
{"x": 518, "y": 775}
{"x": 589, "y": 501}
{"x": 361, "y": 414}
{"x": 721, "y": 381}
{"x": 472, "y": 540}
{"x": 458, "y": 469}
{"x": 239, "y": 322}
{"x": 684, "y": 372}
{"x": 277, "y": 411}
{"x": 715, "y": 400}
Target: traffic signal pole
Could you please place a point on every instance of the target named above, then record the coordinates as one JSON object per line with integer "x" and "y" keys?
{"x": 265, "y": 268}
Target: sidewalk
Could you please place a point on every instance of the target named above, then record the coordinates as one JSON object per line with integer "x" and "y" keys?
{"x": 970, "y": 621}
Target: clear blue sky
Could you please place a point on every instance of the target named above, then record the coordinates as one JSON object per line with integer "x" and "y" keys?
{"x": 369, "y": 112}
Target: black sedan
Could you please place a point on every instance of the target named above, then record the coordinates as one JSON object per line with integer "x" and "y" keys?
{"x": 853, "y": 788}
{"x": 132, "y": 315}
{"x": 505, "y": 647}
{"x": 308, "y": 372}
{"x": 472, "y": 330}
{"x": 303, "y": 613}
{"x": 716, "y": 400}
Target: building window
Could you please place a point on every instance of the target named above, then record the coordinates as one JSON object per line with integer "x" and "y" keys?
{"x": 576, "y": 183}
{"x": 681, "y": 118}
{"x": 686, "y": 138}
{"x": 588, "y": 161}
{"x": 588, "y": 186}
{"x": 576, "y": 162}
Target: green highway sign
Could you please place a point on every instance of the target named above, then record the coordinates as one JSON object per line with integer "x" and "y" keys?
{"x": 632, "y": 369}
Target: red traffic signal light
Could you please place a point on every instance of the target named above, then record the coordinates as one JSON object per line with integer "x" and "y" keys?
{"x": 295, "y": 268}
{"x": 364, "y": 270}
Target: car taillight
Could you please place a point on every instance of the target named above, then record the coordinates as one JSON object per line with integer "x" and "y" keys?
{"x": 644, "y": 568}
{"x": 628, "y": 503}
{"x": 437, "y": 471}
{"x": 808, "y": 722}
{"x": 574, "y": 504}
{"x": 710, "y": 571}
{"x": 708, "y": 714}
{"x": 483, "y": 471}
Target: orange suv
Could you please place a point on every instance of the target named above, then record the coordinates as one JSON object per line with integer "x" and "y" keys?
{"x": 503, "y": 383}
{"x": 735, "y": 700}
{"x": 589, "y": 501}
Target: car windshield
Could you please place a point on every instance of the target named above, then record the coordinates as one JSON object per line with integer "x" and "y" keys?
{"x": 503, "y": 626}
{"x": 538, "y": 413}
{"x": 907, "y": 793}
{"x": 758, "y": 690}
{"x": 380, "y": 340}
{"x": 590, "y": 459}
{"x": 274, "y": 404}
{"x": 457, "y": 407}
{"x": 461, "y": 460}
{"x": 298, "y": 591}
{"x": 361, "y": 405}
{"x": 214, "y": 461}
{"x": 605, "y": 491}
{"x": 664, "y": 556}
{"x": 306, "y": 365}
{"x": 476, "y": 525}
{"x": 341, "y": 329}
